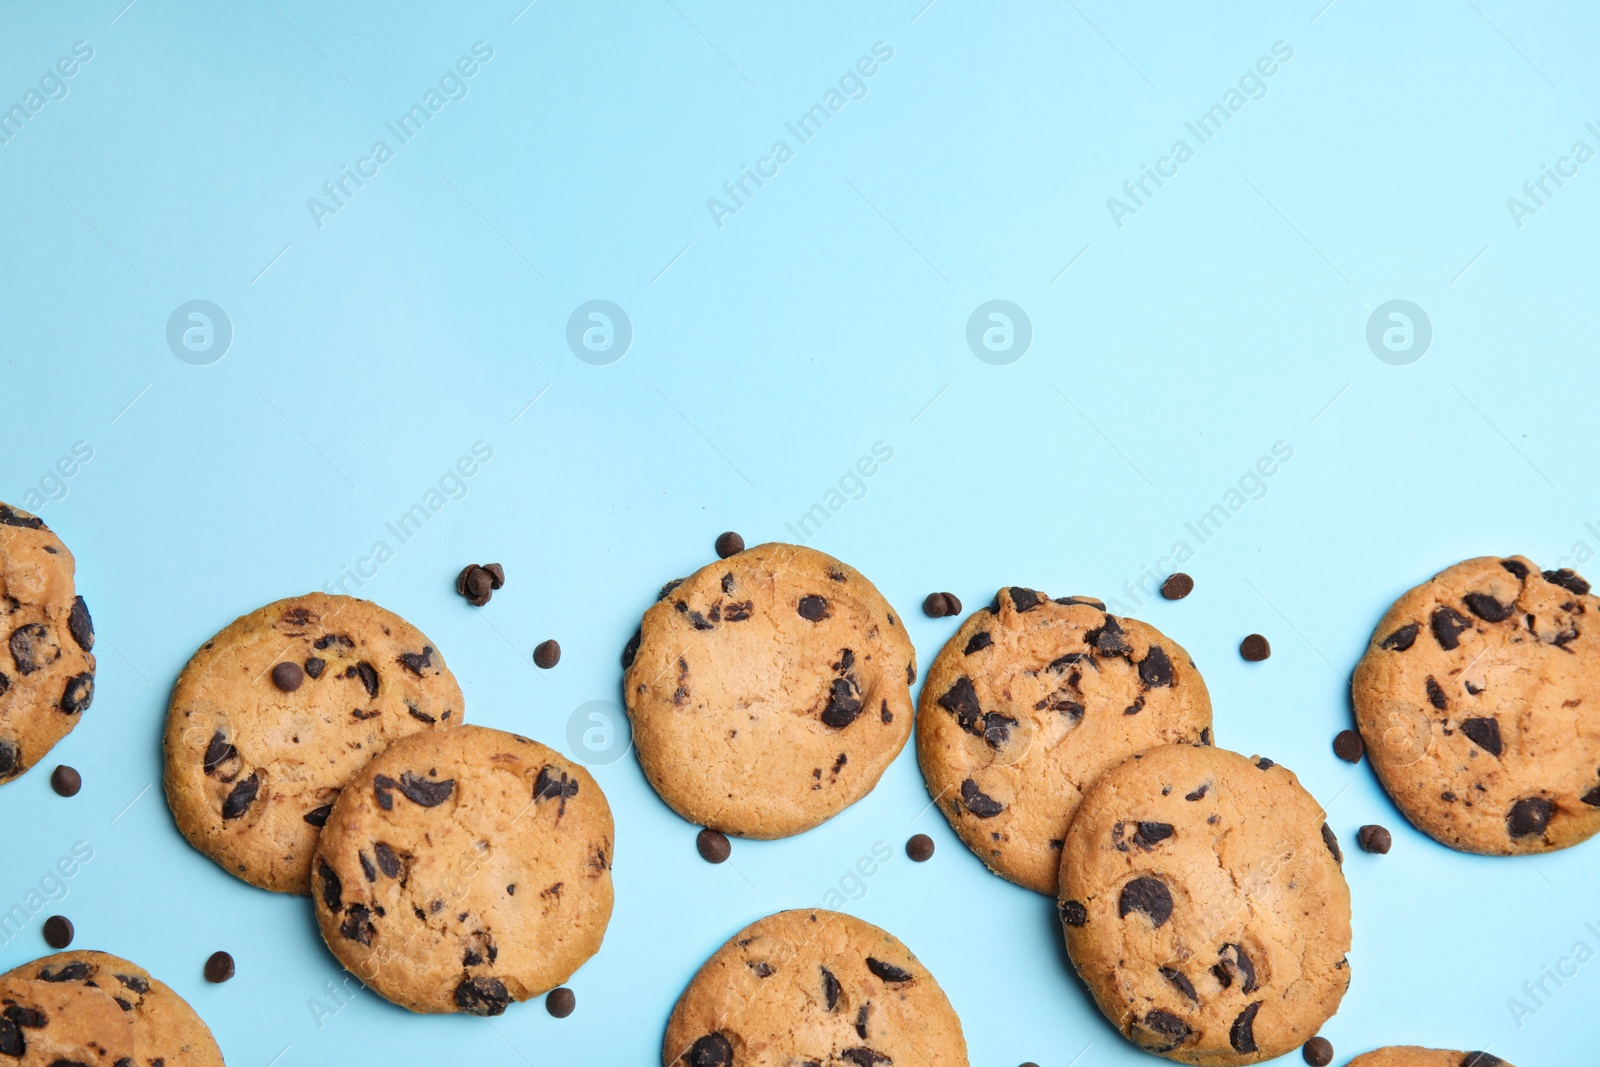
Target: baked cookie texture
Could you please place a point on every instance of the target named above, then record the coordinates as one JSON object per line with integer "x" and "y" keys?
{"x": 62, "y": 1024}
{"x": 768, "y": 691}
{"x": 1412, "y": 1056}
{"x": 165, "y": 1028}
{"x": 813, "y": 987}
{"x": 1030, "y": 702}
{"x": 47, "y": 665}
{"x": 252, "y": 770}
{"x": 463, "y": 869}
{"x": 1478, "y": 700}
{"x": 1204, "y": 905}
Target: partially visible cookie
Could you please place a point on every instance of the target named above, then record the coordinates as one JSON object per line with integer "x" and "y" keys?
{"x": 46, "y": 665}
{"x": 768, "y": 691}
{"x": 274, "y": 713}
{"x": 166, "y": 1029}
{"x": 813, "y": 987}
{"x": 1478, "y": 699}
{"x": 464, "y": 869}
{"x": 1412, "y": 1056}
{"x": 62, "y": 1024}
{"x": 1028, "y": 704}
{"x": 1204, "y": 905}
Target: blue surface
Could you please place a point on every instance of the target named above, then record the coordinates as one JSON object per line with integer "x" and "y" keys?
{"x": 826, "y": 313}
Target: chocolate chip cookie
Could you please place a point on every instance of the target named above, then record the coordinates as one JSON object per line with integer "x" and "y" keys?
{"x": 166, "y": 1029}
{"x": 813, "y": 987}
{"x": 1412, "y": 1056}
{"x": 1478, "y": 699}
{"x": 463, "y": 869}
{"x": 768, "y": 691}
{"x": 47, "y": 666}
{"x": 1204, "y": 905}
{"x": 1028, "y": 704}
{"x": 62, "y": 1024}
{"x": 274, "y": 713}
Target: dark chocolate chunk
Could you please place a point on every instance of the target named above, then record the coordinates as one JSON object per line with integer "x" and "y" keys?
{"x": 318, "y": 816}
{"x": 920, "y": 848}
{"x": 416, "y": 661}
{"x": 980, "y": 804}
{"x": 357, "y": 924}
{"x": 939, "y": 605}
{"x": 1177, "y": 586}
{"x": 1147, "y": 895}
{"x": 1592, "y": 797}
{"x": 712, "y": 1050}
{"x": 1568, "y": 580}
{"x": 1329, "y": 839}
{"x": 388, "y": 862}
{"x": 9, "y": 516}
{"x": 1235, "y": 963}
{"x": 78, "y": 694}
{"x": 382, "y": 785}
{"x": 1265, "y": 764}
{"x": 555, "y": 785}
{"x": 979, "y": 641}
{"x": 1026, "y": 599}
{"x": 218, "y": 752}
{"x": 367, "y": 867}
{"x": 1169, "y": 1030}
{"x": 1348, "y": 747}
{"x": 1375, "y": 839}
{"x": 729, "y": 544}
{"x": 1155, "y": 670}
{"x": 1181, "y": 982}
{"x": 1529, "y": 817}
{"x": 843, "y": 704}
{"x": 962, "y": 701}
{"x": 368, "y": 675}
{"x": 80, "y": 625}
{"x": 888, "y": 971}
{"x": 812, "y": 608}
{"x": 75, "y": 971}
{"x": 429, "y": 793}
{"x": 1481, "y": 1059}
{"x": 713, "y": 845}
{"x": 631, "y": 649}
{"x": 1318, "y": 1052}
{"x": 12, "y": 1042}
{"x": 32, "y": 647}
{"x": 1151, "y": 834}
{"x": 546, "y": 654}
{"x": 288, "y": 676}
{"x": 332, "y": 890}
{"x": 58, "y": 931}
{"x": 1448, "y": 625}
{"x": 482, "y": 996}
{"x": 1485, "y": 733}
{"x": 1107, "y": 638}
{"x": 830, "y": 988}
{"x": 739, "y": 611}
{"x": 1487, "y": 607}
{"x": 315, "y": 665}
{"x": 240, "y": 798}
{"x": 561, "y": 1001}
{"x": 1516, "y": 567}
{"x": 1255, "y": 648}
{"x": 1073, "y": 913}
{"x": 1402, "y": 638}
{"x": 1435, "y": 694}
{"x": 863, "y": 1057}
{"x": 1241, "y": 1035}
{"x": 1199, "y": 792}
{"x": 219, "y": 967}
{"x": 66, "y": 781}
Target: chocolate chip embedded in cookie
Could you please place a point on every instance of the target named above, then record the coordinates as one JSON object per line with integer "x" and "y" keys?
{"x": 768, "y": 691}
{"x": 46, "y": 638}
{"x": 465, "y": 869}
{"x": 1412, "y": 1056}
{"x": 1476, "y": 700}
{"x": 274, "y": 713}
{"x": 1204, "y": 906}
{"x": 62, "y": 1022}
{"x": 813, "y": 987}
{"x": 1028, "y": 704}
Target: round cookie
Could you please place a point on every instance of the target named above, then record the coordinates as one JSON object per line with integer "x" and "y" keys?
{"x": 768, "y": 691}
{"x": 166, "y": 1029}
{"x": 51, "y": 1024}
{"x": 1029, "y": 703}
{"x": 252, "y": 767}
{"x": 813, "y": 987}
{"x": 463, "y": 869}
{"x": 46, "y": 665}
{"x": 1412, "y": 1056}
{"x": 1204, "y": 905}
{"x": 1478, "y": 700}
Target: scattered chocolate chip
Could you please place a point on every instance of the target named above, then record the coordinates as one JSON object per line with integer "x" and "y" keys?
{"x": 58, "y": 931}
{"x": 288, "y": 676}
{"x": 1073, "y": 913}
{"x": 1147, "y": 895}
{"x": 1177, "y": 586}
{"x": 1347, "y": 746}
{"x": 1485, "y": 733}
{"x": 1448, "y": 624}
{"x": 1402, "y": 638}
{"x": 939, "y": 605}
{"x": 497, "y": 575}
{"x": 80, "y": 625}
{"x": 920, "y": 848}
{"x": 1255, "y": 648}
{"x": 812, "y": 608}
{"x": 477, "y": 583}
{"x": 425, "y": 791}
{"x": 1487, "y": 607}
{"x": 1568, "y": 580}
{"x": 729, "y": 544}
{"x": 79, "y": 693}
{"x": 1330, "y": 839}
{"x": 1241, "y": 1035}
{"x": 219, "y": 967}
{"x": 1318, "y": 1052}
{"x": 561, "y": 1001}
{"x": 1529, "y": 817}
{"x": 980, "y": 804}
{"x": 888, "y": 971}
{"x": 1375, "y": 839}
{"x": 240, "y": 798}
{"x": 979, "y": 641}
{"x": 713, "y": 845}
{"x": 711, "y": 1050}
{"x": 66, "y": 781}
{"x": 546, "y": 654}
{"x": 482, "y": 996}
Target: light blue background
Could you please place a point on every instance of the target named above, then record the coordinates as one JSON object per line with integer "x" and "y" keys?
{"x": 768, "y": 354}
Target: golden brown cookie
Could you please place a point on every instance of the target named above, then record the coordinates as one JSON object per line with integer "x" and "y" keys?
{"x": 1412, "y": 1056}
{"x": 463, "y": 869}
{"x": 1029, "y": 703}
{"x": 46, "y": 666}
{"x": 1204, "y": 905}
{"x": 1479, "y": 703}
{"x": 768, "y": 691}
{"x": 813, "y": 987}
{"x": 51, "y": 1024}
{"x": 166, "y": 1029}
{"x": 274, "y": 713}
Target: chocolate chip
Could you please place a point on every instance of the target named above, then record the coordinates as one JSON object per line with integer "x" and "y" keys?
{"x": 367, "y": 673}
{"x": 1255, "y": 648}
{"x": 332, "y": 889}
{"x": 887, "y": 971}
{"x": 1529, "y": 817}
{"x": 1241, "y": 1035}
{"x": 58, "y": 931}
{"x": 1177, "y": 586}
{"x": 1151, "y": 834}
{"x": 1181, "y": 982}
{"x": 219, "y": 967}
{"x": 920, "y": 848}
{"x": 497, "y": 575}
{"x": 555, "y": 785}
{"x": 388, "y": 862}
{"x": 426, "y": 792}
{"x": 980, "y": 804}
{"x": 32, "y": 647}
{"x": 1592, "y": 797}
{"x": 1481, "y": 1059}
{"x": 1073, "y": 913}
{"x": 1147, "y": 895}
{"x": 961, "y": 700}
{"x": 1516, "y": 567}
{"x": 1448, "y": 624}
{"x": 1485, "y": 733}
{"x": 80, "y": 625}
{"x": 1332, "y": 841}
{"x": 813, "y": 608}
{"x": 1026, "y": 599}
{"x": 315, "y": 666}
{"x": 713, "y": 845}
{"x": 1107, "y": 639}
{"x": 1567, "y": 580}
{"x": 1155, "y": 670}
{"x": 218, "y": 752}
{"x": 1235, "y": 962}
{"x": 477, "y": 584}
{"x": 64, "y": 780}
{"x": 1402, "y": 638}
{"x": 830, "y": 988}
{"x": 482, "y": 996}
{"x": 938, "y": 605}
{"x": 1487, "y": 607}
{"x": 1347, "y": 746}
{"x": 1435, "y": 694}
{"x": 1375, "y": 839}
{"x": 318, "y": 816}
{"x": 561, "y": 1001}
{"x": 729, "y": 544}
{"x": 416, "y": 661}
{"x": 76, "y": 971}
{"x": 843, "y": 703}
{"x": 78, "y": 694}
{"x": 10, "y": 516}
{"x": 1198, "y": 793}
{"x": 712, "y": 1050}
{"x": 1318, "y": 1052}
{"x": 1265, "y": 764}
{"x": 240, "y": 798}
{"x": 980, "y": 641}
{"x": 863, "y": 1057}
{"x": 631, "y": 649}
{"x": 1171, "y": 1031}
{"x": 546, "y": 654}
{"x": 288, "y": 676}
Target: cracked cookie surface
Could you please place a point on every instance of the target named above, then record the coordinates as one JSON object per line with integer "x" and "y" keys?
{"x": 272, "y": 716}
{"x": 1478, "y": 700}
{"x": 463, "y": 869}
{"x": 813, "y": 987}
{"x": 46, "y": 664}
{"x": 1204, "y": 906}
{"x": 1029, "y": 703}
{"x": 1412, "y": 1056}
{"x": 55, "y": 1023}
{"x": 768, "y": 691}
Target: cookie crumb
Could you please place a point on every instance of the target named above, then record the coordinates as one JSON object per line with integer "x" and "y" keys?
{"x": 1255, "y": 648}
{"x": 219, "y": 967}
{"x": 66, "y": 781}
{"x": 58, "y": 931}
{"x": 713, "y": 846}
{"x": 546, "y": 654}
{"x": 920, "y": 848}
{"x": 729, "y": 544}
{"x": 1177, "y": 586}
